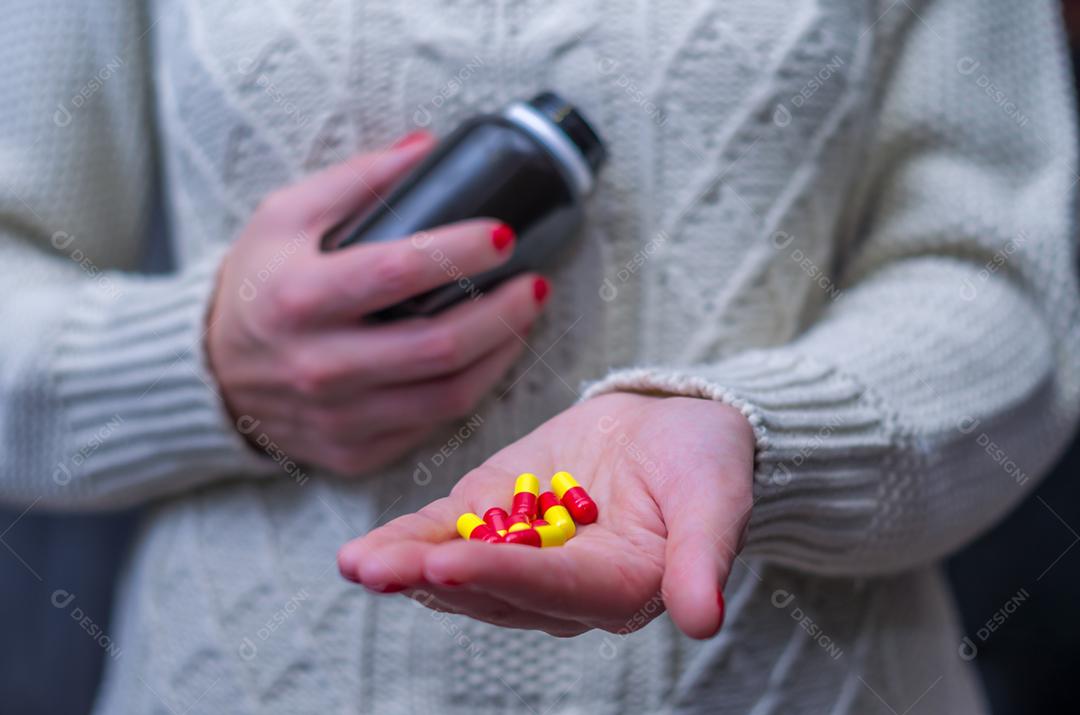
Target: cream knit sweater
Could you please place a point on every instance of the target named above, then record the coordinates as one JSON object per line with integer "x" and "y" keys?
{"x": 852, "y": 219}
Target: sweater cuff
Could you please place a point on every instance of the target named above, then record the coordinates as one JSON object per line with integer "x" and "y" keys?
{"x": 825, "y": 454}
{"x": 144, "y": 415}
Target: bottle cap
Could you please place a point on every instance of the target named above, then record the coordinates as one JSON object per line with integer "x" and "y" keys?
{"x": 567, "y": 118}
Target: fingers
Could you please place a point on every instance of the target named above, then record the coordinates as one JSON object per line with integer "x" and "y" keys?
{"x": 492, "y": 610}
{"x": 329, "y": 196}
{"x": 370, "y": 431}
{"x": 362, "y": 279}
{"x": 356, "y": 456}
{"x": 579, "y": 581}
{"x": 423, "y": 403}
{"x": 704, "y": 524}
{"x": 333, "y": 365}
{"x": 455, "y": 339}
{"x": 370, "y": 559}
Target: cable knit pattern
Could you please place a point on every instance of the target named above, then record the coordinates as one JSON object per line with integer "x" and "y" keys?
{"x": 851, "y": 220}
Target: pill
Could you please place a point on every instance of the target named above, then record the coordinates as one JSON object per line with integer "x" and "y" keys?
{"x": 527, "y": 536}
{"x": 555, "y": 513}
{"x": 519, "y": 526}
{"x": 497, "y": 518}
{"x": 550, "y": 535}
{"x": 539, "y": 522}
{"x": 473, "y": 528}
{"x": 526, "y": 489}
{"x": 519, "y": 519}
{"x": 574, "y": 497}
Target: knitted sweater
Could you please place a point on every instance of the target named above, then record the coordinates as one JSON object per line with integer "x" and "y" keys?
{"x": 850, "y": 219}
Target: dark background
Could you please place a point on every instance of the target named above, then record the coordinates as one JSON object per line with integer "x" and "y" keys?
{"x": 49, "y": 665}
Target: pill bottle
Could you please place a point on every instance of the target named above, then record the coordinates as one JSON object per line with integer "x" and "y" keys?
{"x": 531, "y": 166}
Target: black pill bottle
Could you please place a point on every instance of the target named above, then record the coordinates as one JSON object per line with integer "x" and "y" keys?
{"x": 531, "y": 166}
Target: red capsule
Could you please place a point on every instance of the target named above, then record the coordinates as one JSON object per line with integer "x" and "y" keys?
{"x": 526, "y": 537}
{"x": 548, "y": 500}
{"x": 497, "y": 518}
{"x": 574, "y": 497}
{"x": 539, "y": 522}
{"x": 519, "y": 519}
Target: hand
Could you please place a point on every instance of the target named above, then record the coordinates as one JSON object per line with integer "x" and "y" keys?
{"x": 672, "y": 478}
{"x": 290, "y": 351}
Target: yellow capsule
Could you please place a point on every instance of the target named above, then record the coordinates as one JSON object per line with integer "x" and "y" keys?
{"x": 551, "y": 535}
{"x": 567, "y": 525}
{"x": 555, "y": 513}
{"x": 527, "y": 482}
{"x": 562, "y": 482}
{"x": 466, "y": 523}
{"x": 520, "y": 526}
{"x": 472, "y": 527}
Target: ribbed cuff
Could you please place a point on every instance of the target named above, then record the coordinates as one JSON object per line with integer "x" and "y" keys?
{"x": 143, "y": 412}
{"x": 825, "y": 451}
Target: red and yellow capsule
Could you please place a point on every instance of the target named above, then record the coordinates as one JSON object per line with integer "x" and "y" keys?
{"x": 550, "y": 535}
{"x": 519, "y": 526}
{"x": 574, "y": 497}
{"x": 497, "y": 519}
{"x": 526, "y": 489}
{"x": 473, "y": 528}
{"x": 519, "y": 519}
{"x": 555, "y": 513}
{"x": 527, "y": 536}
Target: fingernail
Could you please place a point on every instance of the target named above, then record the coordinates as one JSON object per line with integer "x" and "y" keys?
{"x": 409, "y": 139}
{"x": 385, "y": 588}
{"x": 540, "y": 289}
{"x": 502, "y": 236}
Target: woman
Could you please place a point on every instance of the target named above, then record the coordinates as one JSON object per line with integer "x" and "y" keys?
{"x": 828, "y": 264}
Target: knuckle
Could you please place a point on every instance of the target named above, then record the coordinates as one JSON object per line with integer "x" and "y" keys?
{"x": 276, "y": 205}
{"x": 394, "y": 272}
{"x": 292, "y": 301}
{"x": 441, "y": 348}
{"x": 311, "y": 377}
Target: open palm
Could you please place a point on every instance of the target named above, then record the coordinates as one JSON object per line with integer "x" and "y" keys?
{"x": 672, "y": 479}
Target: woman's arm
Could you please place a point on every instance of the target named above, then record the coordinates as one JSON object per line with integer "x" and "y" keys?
{"x": 106, "y": 399}
{"x": 932, "y": 393}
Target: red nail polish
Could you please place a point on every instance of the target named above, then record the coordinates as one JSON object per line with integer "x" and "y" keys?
{"x": 409, "y": 139}
{"x": 502, "y": 236}
{"x": 720, "y": 602}
{"x": 540, "y": 289}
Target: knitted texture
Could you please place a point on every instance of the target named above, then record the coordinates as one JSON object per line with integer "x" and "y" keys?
{"x": 851, "y": 220}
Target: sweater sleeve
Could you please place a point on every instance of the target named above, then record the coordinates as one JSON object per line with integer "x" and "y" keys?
{"x": 929, "y": 395}
{"x": 105, "y": 397}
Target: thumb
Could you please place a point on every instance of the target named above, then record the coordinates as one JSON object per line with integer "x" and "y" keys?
{"x": 705, "y": 512}
{"x": 329, "y": 196}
